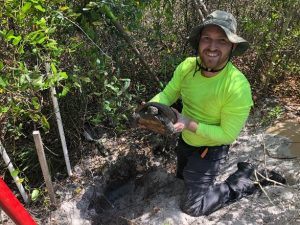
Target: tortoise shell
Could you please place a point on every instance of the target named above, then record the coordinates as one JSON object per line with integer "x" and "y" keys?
{"x": 156, "y": 117}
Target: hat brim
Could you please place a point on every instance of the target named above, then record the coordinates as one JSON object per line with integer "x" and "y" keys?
{"x": 242, "y": 44}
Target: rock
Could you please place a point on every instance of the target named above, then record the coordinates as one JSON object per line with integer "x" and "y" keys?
{"x": 287, "y": 195}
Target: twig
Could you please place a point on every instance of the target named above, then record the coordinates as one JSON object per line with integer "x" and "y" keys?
{"x": 275, "y": 182}
{"x": 255, "y": 173}
{"x": 198, "y": 9}
{"x": 266, "y": 172}
{"x": 75, "y": 24}
{"x": 48, "y": 149}
{"x": 265, "y": 153}
{"x": 270, "y": 180}
{"x": 203, "y": 6}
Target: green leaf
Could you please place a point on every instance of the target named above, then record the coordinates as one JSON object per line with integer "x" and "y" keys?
{"x": 53, "y": 68}
{"x": 62, "y": 76}
{"x": 38, "y": 82}
{"x": 21, "y": 49}
{"x": 20, "y": 180}
{"x": 114, "y": 89}
{"x": 4, "y": 109}
{"x": 32, "y": 36}
{"x": 35, "y": 117}
{"x": 26, "y": 7}
{"x": 107, "y": 106}
{"x": 24, "y": 79}
{"x": 35, "y": 194}
{"x": 14, "y": 173}
{"x": 40, "y": 8}
{"x": 52, "y": 45}
{"x": 63, "y": 8}
{"x": 9, "y": 35}
{"x": 41, "y": 40}
{"x": 77, "y": 85}
{"x": 41, "y": 22}
{"x": 64, "y": 91}
{"x": 35, "y": 103}
{"x": 126, "y": 84}
{"x": 85, "y": 79}
{"x": 45, "y": 123}
{"x": 2, "y": 82}
{"x": 3, "y": 33}
{"x": 97, "y": 94}
{"x": 17, "y": 40}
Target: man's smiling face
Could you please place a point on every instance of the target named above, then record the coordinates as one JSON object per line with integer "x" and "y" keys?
{"x": 214, "y": 47}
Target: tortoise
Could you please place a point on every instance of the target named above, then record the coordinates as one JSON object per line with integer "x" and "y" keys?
{"x": 156, "y": 117}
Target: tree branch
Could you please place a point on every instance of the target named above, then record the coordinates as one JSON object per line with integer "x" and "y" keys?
{"x": 106, "y": 10}
{"x": 198, "y": 9}
{"x": 204, "y": 8}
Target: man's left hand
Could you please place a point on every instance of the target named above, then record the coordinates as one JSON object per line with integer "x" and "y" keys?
{"x": 182, "y": 122}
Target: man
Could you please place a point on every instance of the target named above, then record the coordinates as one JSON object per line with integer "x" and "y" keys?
{"x": 216, "y": 99}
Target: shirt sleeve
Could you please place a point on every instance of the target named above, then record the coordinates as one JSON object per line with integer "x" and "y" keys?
{"x": 234, "y": 114}
{"x": 171, "y": 92}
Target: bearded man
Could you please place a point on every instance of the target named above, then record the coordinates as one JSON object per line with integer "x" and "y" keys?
{"x": 216, "y": 99}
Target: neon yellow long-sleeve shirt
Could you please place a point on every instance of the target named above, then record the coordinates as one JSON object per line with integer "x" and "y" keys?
{"x": 219, "y": 104}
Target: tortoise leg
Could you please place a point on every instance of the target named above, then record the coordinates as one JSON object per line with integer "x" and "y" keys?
{"x": 170, "y": 128}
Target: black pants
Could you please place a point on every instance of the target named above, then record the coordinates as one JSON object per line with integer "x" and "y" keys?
{"x": 199, "y": 171}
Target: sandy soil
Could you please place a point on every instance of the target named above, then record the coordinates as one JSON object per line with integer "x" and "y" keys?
{"x": 152, "y": 196}
{"x": 135, "y": 184}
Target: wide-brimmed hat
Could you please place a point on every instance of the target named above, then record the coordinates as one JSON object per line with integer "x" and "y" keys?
{"x": 228, "y": 23}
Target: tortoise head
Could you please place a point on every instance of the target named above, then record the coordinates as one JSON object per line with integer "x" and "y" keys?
{"x": 152, "y": 110}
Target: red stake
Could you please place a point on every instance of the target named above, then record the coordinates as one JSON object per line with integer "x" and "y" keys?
{"x": 12, "y": 207}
